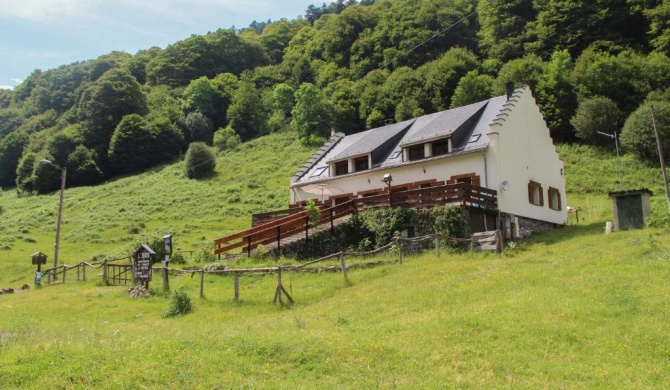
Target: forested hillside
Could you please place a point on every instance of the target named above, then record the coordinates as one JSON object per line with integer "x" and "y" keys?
{"x": 347, "y": 66}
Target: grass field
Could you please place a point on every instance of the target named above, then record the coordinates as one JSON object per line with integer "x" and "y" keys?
{"x": 569, "y": 309}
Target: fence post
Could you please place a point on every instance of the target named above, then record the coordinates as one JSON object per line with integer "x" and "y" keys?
{"x": 399, "y": 242}
{"x": 166, "y": 279}
{"x": 499, "y": 239}
{"x": 64, "y": 271}
{"x": 237, "y": 286}
{"x": 437, "y": 246}
{"x": 202, "y": 284}
{"x": 104, "y": 273}
{"x": 344, "y": 269}
{"x": 281, "y": 289}
{"x": 83, "y": 272}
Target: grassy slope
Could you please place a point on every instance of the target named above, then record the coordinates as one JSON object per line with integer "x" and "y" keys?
{"x": 100, "y": 221}
{"x": 569, "y": 309}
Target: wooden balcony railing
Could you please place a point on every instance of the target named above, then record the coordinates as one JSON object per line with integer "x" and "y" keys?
{"x": 282, "y": 224}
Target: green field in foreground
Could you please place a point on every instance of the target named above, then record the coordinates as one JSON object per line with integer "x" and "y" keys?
{"x": 573, "y": 308}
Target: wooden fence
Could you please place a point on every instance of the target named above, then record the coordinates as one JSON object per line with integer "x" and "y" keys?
{"x": 121, "y": 274}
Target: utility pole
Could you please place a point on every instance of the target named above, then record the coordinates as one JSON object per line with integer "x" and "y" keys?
{"x": 63, "y": 173}
{"x": 660, "y": 155}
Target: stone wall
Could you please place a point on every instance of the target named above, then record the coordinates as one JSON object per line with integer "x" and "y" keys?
{"x": 529, "y": 226}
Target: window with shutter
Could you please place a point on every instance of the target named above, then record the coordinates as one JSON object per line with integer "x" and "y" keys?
{"x": 535, "y": 195}
{"x": 554, "y": 199}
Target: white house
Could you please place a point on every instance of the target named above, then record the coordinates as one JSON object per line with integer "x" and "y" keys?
{"x": 501, "y": 144}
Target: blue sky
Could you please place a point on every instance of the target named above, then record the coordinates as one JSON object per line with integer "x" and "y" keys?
{"x": 44, "y": 34}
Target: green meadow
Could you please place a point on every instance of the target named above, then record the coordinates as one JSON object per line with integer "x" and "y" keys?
{"x": 568, "y": 309}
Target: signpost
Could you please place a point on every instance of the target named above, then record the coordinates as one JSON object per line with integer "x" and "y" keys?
{"x": 167, "y": 242}
{"x": 38, "y": 258}
{"x": 142, "y": 260}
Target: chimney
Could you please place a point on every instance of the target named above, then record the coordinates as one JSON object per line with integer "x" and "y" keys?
{"x": 509, "y": 88}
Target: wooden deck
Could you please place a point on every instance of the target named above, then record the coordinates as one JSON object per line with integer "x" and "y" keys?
{"x": 278, "y": 225}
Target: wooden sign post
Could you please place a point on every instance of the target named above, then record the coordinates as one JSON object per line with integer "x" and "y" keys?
{"x": 142, "y": 259}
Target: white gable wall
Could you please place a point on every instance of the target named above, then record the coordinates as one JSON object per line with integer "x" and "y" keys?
{"x": 521, "y": 150}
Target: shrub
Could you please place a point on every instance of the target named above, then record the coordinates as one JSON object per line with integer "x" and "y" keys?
{"x": 205, "y": 255}
{"x": 177, "y": 258}
{"x": 451, "y": 221}
{"x": 313, "y": 214}
{"x": 384, "y": 223}
{"x": 180, "y": 304}
{"x": 200, "y": 161}
{"x": 226, "y": 139}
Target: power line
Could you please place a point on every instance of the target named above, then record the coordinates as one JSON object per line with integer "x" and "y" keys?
{"x": 430, "y": 39}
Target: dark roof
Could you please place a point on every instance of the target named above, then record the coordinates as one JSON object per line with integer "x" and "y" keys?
{"x": 468, "y": 127}
{"x": 440, "y": 124}
{"x": 615, "y": 194}
{"x": 371, "y": 140}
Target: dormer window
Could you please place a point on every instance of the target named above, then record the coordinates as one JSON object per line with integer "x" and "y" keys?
{"x": 416, "y": 152}
{"x": 441, "y": 147}
{"x": 361, "y": 164}
{"x": 350, "y": 165}
{"x": 341, "y": 168}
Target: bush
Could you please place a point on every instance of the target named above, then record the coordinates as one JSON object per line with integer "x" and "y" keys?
{"x": 205, "y": 255}
{"x": 596, "y": 114}
{"x": 180, "y": 304}
{"x": 226, "y": 139}
{"x": 638, "y": 132}
{"x": 200, "y": 161}
{"x": 451, "y": 221}
{"x": 384, "y": 223}
{"x": 177, "y": 258}
{"x": 313, "y": 213}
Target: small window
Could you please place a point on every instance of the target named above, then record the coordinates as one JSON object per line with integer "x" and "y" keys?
{"x": 469, "y": 178}
{"x": 361, "y": 164}
{"x": 440, "y": 147}
{"x": 416, "y": 152}
{"x": 396, "y": 154}
{"x": 554, "y": 196}
{"x": 474, "y": 138}
{"x": 535, "y": 195}
{"x": 341, "y": 168}
{"x": 318, "y": 171}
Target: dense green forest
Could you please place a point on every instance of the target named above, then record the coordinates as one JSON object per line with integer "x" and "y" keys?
{"x": 346, "y": 66}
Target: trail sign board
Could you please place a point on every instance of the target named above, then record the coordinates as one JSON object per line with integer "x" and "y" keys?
{"x": 38, "y": 258}
{"x": 142, "y": 260}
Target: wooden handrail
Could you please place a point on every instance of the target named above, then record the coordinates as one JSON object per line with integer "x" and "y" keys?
{"x": 297, "y": 222}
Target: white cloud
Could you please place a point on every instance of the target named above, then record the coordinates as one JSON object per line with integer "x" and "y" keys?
{"x": 41, "y": 10}
{"x": 18, "y": 81}
{"x": 6, "y": 87}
